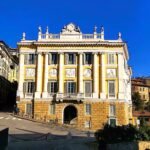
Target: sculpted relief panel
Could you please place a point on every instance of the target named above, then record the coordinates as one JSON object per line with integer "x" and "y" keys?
{"x": 111, "y": 73}
{"x": 30, "y": 72}
{"x": 87, "y": 73}
{"x": 53, "y": 72}
{"x": 70, "y": 73}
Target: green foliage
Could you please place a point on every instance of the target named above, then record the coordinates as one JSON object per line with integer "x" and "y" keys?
{"x": 117, "y": 134}
{"x": 148, "y": 106}
{"x": 137, "y": 101}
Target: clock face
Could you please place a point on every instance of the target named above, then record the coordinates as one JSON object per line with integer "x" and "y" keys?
{"x": 53, "y": 72}
{"x": 87, "y": 73}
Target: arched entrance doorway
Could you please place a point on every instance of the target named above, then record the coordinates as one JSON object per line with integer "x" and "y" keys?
{"x": 70, "y": 115}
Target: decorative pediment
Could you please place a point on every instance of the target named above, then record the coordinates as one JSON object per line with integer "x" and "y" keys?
{"x": 70, "y": 29}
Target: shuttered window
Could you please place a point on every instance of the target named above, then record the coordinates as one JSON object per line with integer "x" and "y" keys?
{"x": 52, "y": 108}
{"x": 112, "y": 110}
{"x": 111, "y": 58}
{"x": 88, "y": 109}
{"x": 30, "y": 59}
{"x": 112, "y": 122}
{"x": 52, "y": 58}
{"x": 88, "y": 88}
{"x": 88, "y": 58}
{"x": 52, "y": 87}
{"x": 70, "y": 87}
{"x": 29, "y": 109}
{"x": 111, "y": 89}
{"x": 29, "y": 87}
{"x": 70, "y": 58}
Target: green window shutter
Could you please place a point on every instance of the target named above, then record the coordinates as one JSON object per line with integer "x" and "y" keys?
{"x": 74, "y": 57}
{"x": 26, "y": 59}
{"x": 24, "y": 87}
{"x": 65, "y": 87}
{"x": 48, "y": 87}
{"x": 49, "y": 58}
{"x": 66, "y": 59}
{"x": 83, "y": 59}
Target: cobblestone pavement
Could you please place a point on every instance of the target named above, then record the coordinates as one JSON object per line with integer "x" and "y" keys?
{"x": 26, "y": 135}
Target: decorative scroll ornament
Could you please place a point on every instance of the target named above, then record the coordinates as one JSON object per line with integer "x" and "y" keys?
{"x": 70, "y": 73}
{"x": 53, "y": 73}
{"x": 70, "y": 29}
{"x": 30, "y": 72}
{"x": 111, "y": 73}
{"x": 87, "y": 73}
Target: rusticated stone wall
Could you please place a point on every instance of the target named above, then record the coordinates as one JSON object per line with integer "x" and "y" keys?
{"x": 99, "y": 112}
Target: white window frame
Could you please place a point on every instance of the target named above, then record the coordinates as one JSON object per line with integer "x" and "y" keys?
{"x": 111, "y": 59}
{"x": 26, "y": 109}
{"x": 52, "y": 109}
{"x": 112, "y": 110}
{"x": 27, "y": 62}
{"x": 88, "y": 111}
{"x": 109, "y": 94}
{"x": 85, "y": 62}
{"x": 49, "y": 84}
{"x": 87, "y": 124}
{"x": 90, "y": 94}
{"x": 67, "y": 88}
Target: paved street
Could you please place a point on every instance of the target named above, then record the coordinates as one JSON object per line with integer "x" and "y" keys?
{"x": 24, "y": 134}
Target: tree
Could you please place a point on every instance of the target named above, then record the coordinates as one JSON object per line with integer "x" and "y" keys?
{"x": 148, "y": 106}
{"x": 137, "y": 101}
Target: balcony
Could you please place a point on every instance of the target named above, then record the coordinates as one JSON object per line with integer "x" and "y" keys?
{"x": 51, "y": 95}
{"x": 28, "y": 95}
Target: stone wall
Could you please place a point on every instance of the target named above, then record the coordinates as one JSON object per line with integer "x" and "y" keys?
{"x": 99, "y": 112}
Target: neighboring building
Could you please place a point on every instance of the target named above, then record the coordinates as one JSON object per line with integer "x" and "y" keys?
{"x": 142, "y": 86}
{"x": 142, "y": 116}
{"x": 75, "y": 78}
{"x": 8, "y": 76}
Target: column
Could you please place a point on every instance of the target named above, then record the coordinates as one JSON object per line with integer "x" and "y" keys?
{"x": 61, "y": 68}
{"x": 120, "y": 76}
{"x": 44, "y": 94}
{"x": 38, "y": 77}
{"x": 102, "y": 81}
{"x": 80, "y": 75}
{"x": 95, "y": 76}
{"x": 21, "y": 76}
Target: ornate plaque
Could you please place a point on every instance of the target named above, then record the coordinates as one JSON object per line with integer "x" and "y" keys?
{"x": 30, "y": 72}
{"x": 87, "y": 73}
{"x": 53, "y": 72}
{"x": 111, "y": 73}
{"x": 70, "y": 73}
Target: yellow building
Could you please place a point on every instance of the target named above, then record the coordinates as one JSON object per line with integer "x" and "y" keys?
{"x": 75, "y": 78}
{"x": 8, "y": 75}
{"x": 142, "y": 86}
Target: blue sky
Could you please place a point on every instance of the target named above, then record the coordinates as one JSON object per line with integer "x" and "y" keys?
{"x": 130, "y": 17}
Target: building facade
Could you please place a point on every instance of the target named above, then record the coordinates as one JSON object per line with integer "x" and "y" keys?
{"x": 75, "y": 78}
{"x": 8, "y": 76}
{"x": 142, "y": 86}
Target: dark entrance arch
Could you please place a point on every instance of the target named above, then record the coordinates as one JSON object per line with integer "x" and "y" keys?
{"x": 70, "y": 114}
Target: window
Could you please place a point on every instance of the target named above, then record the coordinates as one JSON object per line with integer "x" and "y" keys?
{"x": 112, "y": 110}
{"x": 87, "y": 124}
{"x": 88, "y": 109}
{"x": 88, "y": 58}
{"x": 88, "y": 88}
{"x": 52, "y": 87}
{"x": 112, "y": 122}
{"x": 111, "y": 59}
{"x": 70, "y": 87}
{"x": 29, "y": 109}
{"x": 52, "y": 108}
{"x": 30, "y": 59}
{"x": 53, "y": 58}
{"x": 70, "y": 58}
{"x": 111, "y": 89}
{"x": 29, "y": 87}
